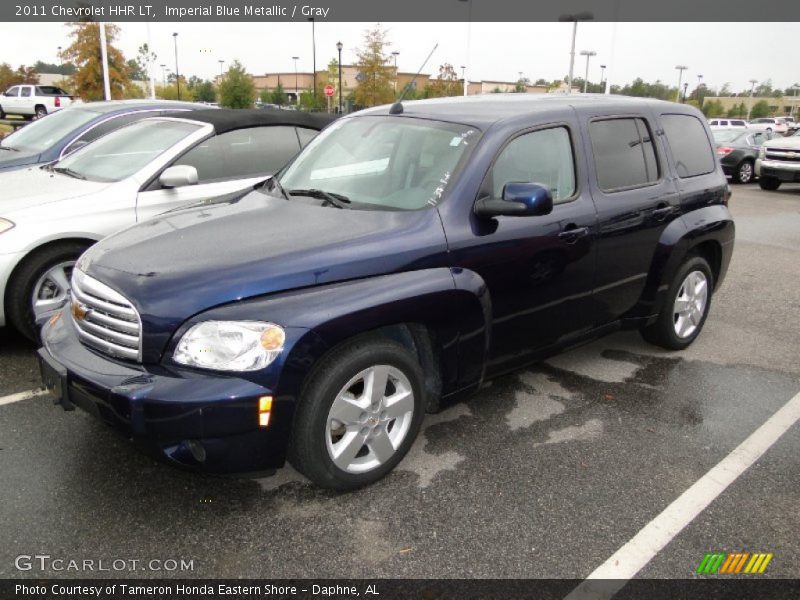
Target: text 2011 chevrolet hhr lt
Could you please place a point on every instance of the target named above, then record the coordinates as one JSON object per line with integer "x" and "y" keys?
{"x": 405, "y": 256}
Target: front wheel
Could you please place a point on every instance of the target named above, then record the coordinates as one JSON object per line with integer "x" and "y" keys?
{"x": 685, "y": 310}
{"x": 744, "y": 172}
{"x": 769, "y": 183}
{"x": 40, "y": 287}
{"x": 358, "y": 415}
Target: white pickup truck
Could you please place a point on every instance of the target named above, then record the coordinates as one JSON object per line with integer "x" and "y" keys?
{"x": 33, "y": 100}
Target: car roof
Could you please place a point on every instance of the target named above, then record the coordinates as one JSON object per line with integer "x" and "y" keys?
{"x": 228, "y": 119}
{"x": 487, "y": 109}
{"x": 104, "y": 107}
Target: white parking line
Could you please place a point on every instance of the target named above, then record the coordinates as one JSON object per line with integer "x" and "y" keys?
{"x": 640, "y": 550}
{"x": 22, "y": 396}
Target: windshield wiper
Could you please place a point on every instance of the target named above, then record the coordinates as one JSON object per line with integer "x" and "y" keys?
{"x": 9, "y": 148}
{"x": 337, "y": 200}
{"x": 68, "y": 171}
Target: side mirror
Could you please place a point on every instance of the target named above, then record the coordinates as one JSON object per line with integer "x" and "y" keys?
{"x": 519, "y": 200}
{"x": 178, "y": 176}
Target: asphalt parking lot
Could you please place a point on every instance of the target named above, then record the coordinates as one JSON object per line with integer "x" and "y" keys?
{"x": 545, "y": 473}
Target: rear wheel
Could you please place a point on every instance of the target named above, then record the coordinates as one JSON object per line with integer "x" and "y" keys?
{"x": 769, "y": 183}
{"x": 2, "y": 113}
{"x": 358, "y": 415}
{"x": 744, "y": 172}
{"x": 685, "y": 310}
{"x": 40, "y": 287}
{"x": 41, "y": 111}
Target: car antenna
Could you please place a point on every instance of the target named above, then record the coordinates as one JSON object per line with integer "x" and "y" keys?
{"x": 397, "y": 107}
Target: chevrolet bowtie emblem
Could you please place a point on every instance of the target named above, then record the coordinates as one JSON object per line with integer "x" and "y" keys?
{"x": 79, "y": 311}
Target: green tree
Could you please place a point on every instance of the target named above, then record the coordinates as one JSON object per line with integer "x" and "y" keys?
{"x": 713, "y": 108}
{"x": 203, "y": 92}
{"x": 9, "y": 76}
{"x": 376, "y": 76}
{"x": 237, "y": 90}
{"x": 276, "y": 96}
{"x": 62, "y": 69}
{"x": 446, "y": 84}
{"x": 760, "y": 109}
{"x": 84, "y": 53}
{"x": 541, "y": 81}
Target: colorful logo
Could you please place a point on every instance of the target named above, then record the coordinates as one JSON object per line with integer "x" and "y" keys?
{"x": 734, "y": 563}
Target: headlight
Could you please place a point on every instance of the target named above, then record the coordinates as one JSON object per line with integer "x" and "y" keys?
{"x": 762, "y": 152}
{"x": 5, "y": 225}
{"x": 230, "y": 345}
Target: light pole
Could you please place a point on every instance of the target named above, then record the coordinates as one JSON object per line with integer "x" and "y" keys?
{"x": 60, "y": 60}
{"x": 339, "y": 47}
{"x": 603, "y": 77}
{"x": 681, "y": 69}
{"x": 753, "y": 83}
{"x": 685, "y": 88}
{"x": 469, "y": 35}
{"x": 221, "y": 62}
{"x": 795, "y": 87}
{"x": 314, "y": 56}
{"x": 164, "y": 74}
{"x": 296, "y": 89}
{"x": 588, "y": 54}
{"x": 395, "y": 54}
{"x": 574, "y": 18}
{"x": 177, "y": 73}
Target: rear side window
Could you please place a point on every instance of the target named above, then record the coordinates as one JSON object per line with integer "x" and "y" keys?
{"x": 543, "y": 157}
{"x": 26, "y": 91}
{"x": 690, "y": 146}
{"x": 242, "y": 153}
{"x": 738, "y": 123}
{"x": 623, "y": 153}
{"x": 50, "y": 90}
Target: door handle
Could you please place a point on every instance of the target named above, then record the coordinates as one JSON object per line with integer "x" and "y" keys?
{"x": 661, "y": 212}
{"x": 570, "y": 236}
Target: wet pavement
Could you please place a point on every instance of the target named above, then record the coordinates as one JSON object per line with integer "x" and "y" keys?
{"x": 544, "y": 473}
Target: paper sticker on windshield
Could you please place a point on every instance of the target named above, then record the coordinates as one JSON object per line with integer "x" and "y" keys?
{"x": 456, "y": 141}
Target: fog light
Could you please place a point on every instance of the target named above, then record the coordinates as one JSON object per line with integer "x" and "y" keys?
{"x": 264, "y": 408}
{"x": 197, "y": 450}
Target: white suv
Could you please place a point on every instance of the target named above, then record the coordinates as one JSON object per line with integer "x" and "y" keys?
{"x": 775, "y": 124}
{"x": 727, "y": 124}
{"x": 33, "y": 100}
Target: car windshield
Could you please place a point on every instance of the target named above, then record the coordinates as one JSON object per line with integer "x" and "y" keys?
{"x": 727, "y": 135}
{"x": 121, "y": 153}
{"x": 43, "y": 133}
{"x": 380, "y": 162}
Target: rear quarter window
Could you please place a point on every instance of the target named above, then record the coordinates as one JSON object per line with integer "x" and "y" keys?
{"x": 691, "y": 148}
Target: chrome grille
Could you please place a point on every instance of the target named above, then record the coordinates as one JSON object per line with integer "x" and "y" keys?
{"x": 792, "y": 155}
{"x": 104, "y": 318}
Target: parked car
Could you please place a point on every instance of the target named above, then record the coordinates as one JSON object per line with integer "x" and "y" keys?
{"x": 737, "y": 150}
{"x": 51, "y": 214}
{"x": 46, "y": 140}
{"x": 727, "y": 124}
{"x": 407, "y": 255}
{"x": 778, "y": 162}
{"x": 32, "y": 101}
{"x": 775, "y": 124}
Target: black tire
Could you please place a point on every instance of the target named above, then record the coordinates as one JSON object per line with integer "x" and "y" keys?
{"x": 2, "y": 113}
{"x": 19, "y": 293}
{"x": 41, "y": 111}
{"x": 308, "y": 451}
{"x": 662, "y": 332}
{"x": 744, "y": 172}
{"x": 769, "y": 183}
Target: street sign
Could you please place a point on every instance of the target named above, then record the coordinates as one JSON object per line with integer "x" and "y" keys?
{"x": 329, "y": 90}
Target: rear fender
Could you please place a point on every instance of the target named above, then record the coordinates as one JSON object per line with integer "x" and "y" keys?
{"x": 683, "y": 235}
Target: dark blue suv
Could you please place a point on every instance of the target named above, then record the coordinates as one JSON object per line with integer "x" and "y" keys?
{"x": 408, "y": 254}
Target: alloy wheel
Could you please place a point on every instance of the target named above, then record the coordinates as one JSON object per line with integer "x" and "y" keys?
{"x": 369, "y": 419}
{"x": 690, "y": 304}
{"x": 51, "y": 290}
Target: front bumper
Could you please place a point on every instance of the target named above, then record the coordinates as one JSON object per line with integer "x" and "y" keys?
{"x": 200, "y": 420}
{"x": 778, "y": 169}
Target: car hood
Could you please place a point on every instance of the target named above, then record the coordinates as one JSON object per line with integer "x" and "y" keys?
{"x": 15, "y": 159}
{"x": 183, "y": 263}
{"x": 37, "y": 186}
{"x": 786, "y": 142}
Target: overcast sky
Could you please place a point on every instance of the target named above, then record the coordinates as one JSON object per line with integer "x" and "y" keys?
{"x": 721, "y": 52}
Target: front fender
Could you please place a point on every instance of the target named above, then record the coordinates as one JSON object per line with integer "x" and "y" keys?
{"x": 451, "y": 304}
{"x": 709, "y": 224}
